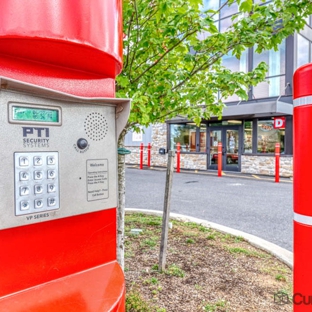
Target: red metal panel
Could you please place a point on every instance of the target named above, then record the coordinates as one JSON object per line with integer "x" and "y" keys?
{"x": 302, "y": 159}
{"x": 100, "y": 289}
{"x": 302, "y": 189}
{"x": 303, "y": 267}
{"x": 73, "y": 46}
{"x": 35, "y": 254}
{"x": 302, "y": 81}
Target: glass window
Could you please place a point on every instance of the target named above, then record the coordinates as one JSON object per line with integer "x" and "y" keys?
{"x": 248, "y": 137}
{"x": 228, "y": 9}
{"x": 271, "y": 87}
{"x": 202, "y": 138}
{"x": 303, "y": 52}
{"x": 274, "y": 59}
{"x": 185, "y": 134}
{"x": 212, "y": 5}
{"x": 236, "y": 65}
{"x": 268, "y": 136}
{"x": 275, "y": 79}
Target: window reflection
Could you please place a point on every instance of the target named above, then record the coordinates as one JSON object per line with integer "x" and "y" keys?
{"x": 268, "y": 136}
{"x": 303, "y": 51}
{"x": 248, "y": 137}
{"x": 228, "y": 9}
{"x": 185, "y": 134}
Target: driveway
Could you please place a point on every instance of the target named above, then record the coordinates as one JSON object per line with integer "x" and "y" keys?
{"x": 256, "y": 206}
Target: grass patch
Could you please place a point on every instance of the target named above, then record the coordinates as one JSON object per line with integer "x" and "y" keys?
{"x": 249, "y": 253}
{"x": 174, "y": 270}
{"x": 135, "y": 303}
{"x": 214, "y": 306}
{"x": 280, "y": 277}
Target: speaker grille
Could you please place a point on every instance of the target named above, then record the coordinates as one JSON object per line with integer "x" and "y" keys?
{"x": 96, "y": 126}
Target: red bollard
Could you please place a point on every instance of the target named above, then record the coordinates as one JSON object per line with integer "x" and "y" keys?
{"x": 178, "y": 157}
{"x": 141, "y": 155}
{"x": 277, "y": 161}
{"x": 219, "y": 159}
{"x": 302, "y": 271}
{"x": 149, "y": 154}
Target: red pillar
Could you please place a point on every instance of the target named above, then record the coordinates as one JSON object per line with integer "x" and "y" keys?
{"x": 178, "y": 157}
{"x": 149, "y": 154}
{"x": 219, "y": 159}
{"x": 141, "y": 156}
{"x": 302, "y": 188}
{"x": 277, "y": 161}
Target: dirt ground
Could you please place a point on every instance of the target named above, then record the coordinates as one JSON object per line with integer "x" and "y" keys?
{"x": 206, "y": 271}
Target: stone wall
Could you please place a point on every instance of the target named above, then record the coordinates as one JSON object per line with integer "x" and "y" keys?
{"x": 266, "y": 165}
{"x": 250, "y": 164}
{"x": 159, "y": 140}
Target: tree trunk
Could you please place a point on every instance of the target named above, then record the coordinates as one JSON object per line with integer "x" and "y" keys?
{"x": 121, "y": 202}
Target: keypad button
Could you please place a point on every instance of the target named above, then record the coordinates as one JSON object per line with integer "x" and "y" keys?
{"x": 38, "y": 175}
{"x": 38, "y": 203}
{"x": 24, "y": 190}
{"x": 23, "y": 161}
{"x": 51, "y": 188}
{"x": 25, "y": 205}
{"x": 38, "y": 189}
{"x": 51, "y": 160}
{"x": 38, "y": 161}
{"x": 51, "y": 201}
{"x": 51, "y": 174}
{"x": 24, "y": 176}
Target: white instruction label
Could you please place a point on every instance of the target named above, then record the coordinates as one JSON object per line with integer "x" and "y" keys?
{"x": 97, "y": 179}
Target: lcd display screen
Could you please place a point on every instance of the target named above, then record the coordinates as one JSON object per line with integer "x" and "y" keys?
{"x": 35, "y": 114}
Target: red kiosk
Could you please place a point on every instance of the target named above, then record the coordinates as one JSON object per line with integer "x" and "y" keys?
{"x": 302, "y": 298}
{"x": 56, "y": 58}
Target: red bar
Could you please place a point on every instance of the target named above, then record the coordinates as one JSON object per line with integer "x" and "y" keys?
{"x": 141, "y": 155}
{"x": 149, "y": 154}
{"x": 302, "y": 271}
{"x": 277, "y": 161}
{"x": 178, "y": 157}
{"x": 219, "y": 159}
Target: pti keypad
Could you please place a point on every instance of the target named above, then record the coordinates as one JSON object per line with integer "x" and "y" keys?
{"x": 36, "y": 182}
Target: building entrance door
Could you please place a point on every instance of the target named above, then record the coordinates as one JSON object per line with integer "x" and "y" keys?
{"x": 230, "y": 138}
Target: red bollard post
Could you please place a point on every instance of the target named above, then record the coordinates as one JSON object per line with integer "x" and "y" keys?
{"x": 141, "y": 155}
{"x": 277, "y": 161}
{"x": 302, "y": 271}
{"x": 178, "y": 157}
{"x": 149, "y": 154}
{"x": 219, "y": 159}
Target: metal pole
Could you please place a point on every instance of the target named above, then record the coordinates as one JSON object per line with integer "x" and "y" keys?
{"x": 277, "y": 161}
{"x": 302, "y": 270}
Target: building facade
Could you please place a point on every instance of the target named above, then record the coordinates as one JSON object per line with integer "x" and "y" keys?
{"x": 249, "y": 129}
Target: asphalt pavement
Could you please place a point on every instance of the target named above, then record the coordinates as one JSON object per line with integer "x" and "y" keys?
{"x": 252, "y": 204}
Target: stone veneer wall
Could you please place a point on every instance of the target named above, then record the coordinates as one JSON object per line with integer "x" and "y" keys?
{"x": 159, "y": 140}
{"x": 266, "y": 165}
{"x": 250, "y": 164}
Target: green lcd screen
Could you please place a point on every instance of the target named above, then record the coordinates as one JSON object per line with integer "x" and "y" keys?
{"x": 35, "y": 114}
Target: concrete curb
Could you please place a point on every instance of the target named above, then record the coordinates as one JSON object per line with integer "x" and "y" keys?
{"x": 280, "y": 253}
